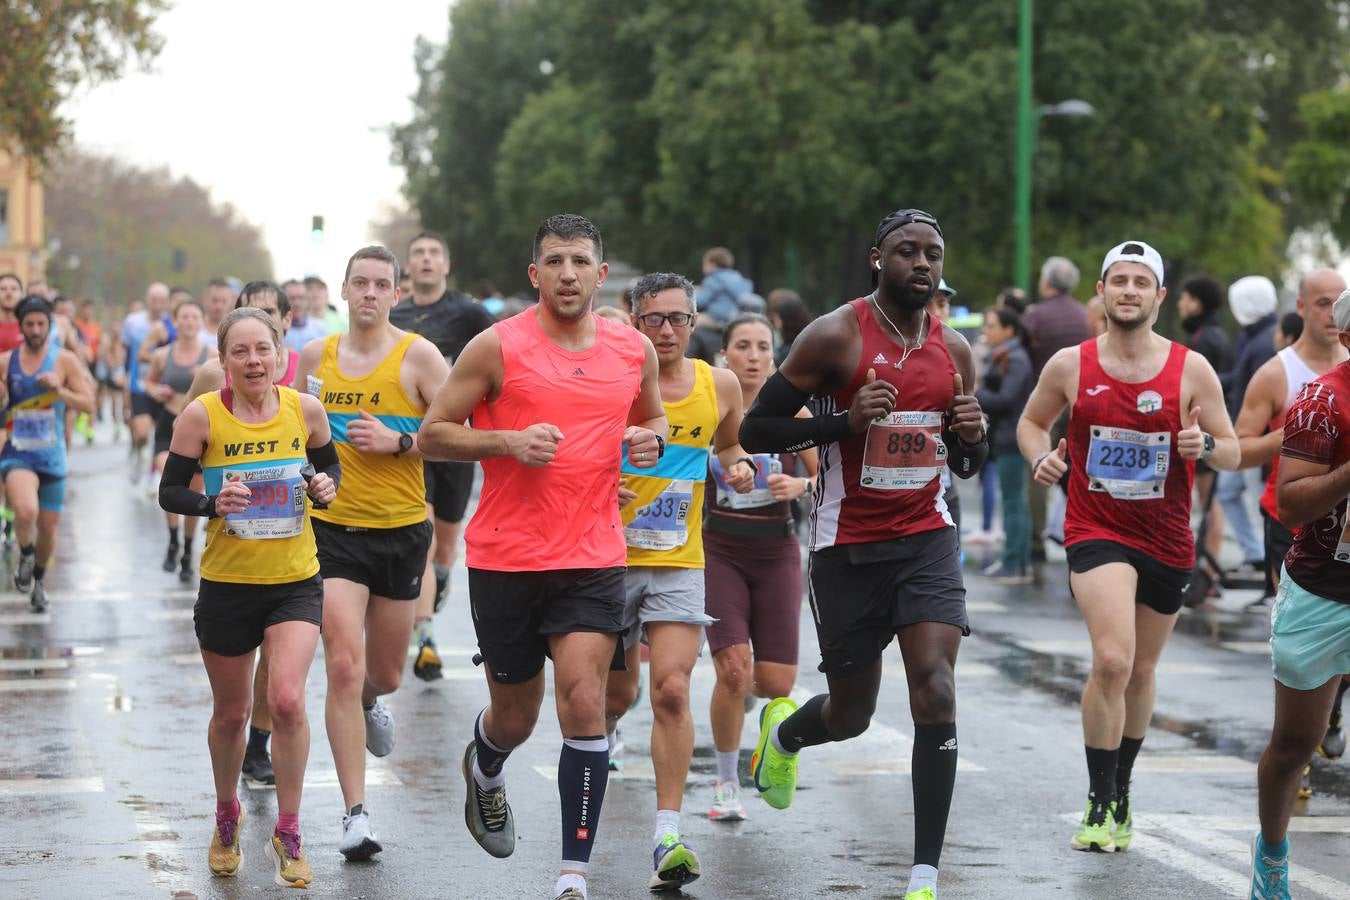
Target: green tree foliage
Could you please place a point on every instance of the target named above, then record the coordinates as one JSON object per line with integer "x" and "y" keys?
{"x": 785, "y": 128}
{"x": 53, "y": 46}
{"x": 1318, "y": 167}
{"x": 117, "y": 228}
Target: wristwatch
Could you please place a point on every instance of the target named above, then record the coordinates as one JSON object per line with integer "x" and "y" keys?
{"x": 1209, "y": 446}
{"x": 405, "y": 443}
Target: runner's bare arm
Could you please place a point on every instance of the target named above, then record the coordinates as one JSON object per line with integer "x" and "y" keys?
{"x": 157, "y": 336}
{"x": 740, "y": 471}
{"x": 210, "y": 377}
{"x": 813, "y": 366}
{"x": 476, "y": 377}
{"x": 77, "y": 392}
{"x": 1309, "y": 490}
{"x": 1057, "y": 386}
{"x": 647, "y": 410}
{"x": 1260, "y": 404}
{"x": 307, "y": 364}
{"x": 1205, "y": 409}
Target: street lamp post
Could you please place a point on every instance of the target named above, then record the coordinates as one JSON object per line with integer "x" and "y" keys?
{"x": 1027, "y": 122}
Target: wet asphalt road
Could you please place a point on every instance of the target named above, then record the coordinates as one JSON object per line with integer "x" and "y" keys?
{"x": 105, "y": 783}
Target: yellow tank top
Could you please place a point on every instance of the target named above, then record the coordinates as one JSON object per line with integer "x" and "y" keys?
{"x": 272, "y": 541}
{"x": 663, "y": 526}
{"x": 379, "y": 490}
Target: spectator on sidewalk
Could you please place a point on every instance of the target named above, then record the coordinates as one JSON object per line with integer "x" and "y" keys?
{"x": 1253, "y": 301}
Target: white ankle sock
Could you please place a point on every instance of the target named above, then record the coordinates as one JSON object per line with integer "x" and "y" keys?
{"x": 921, "y": 877}
{"x": 487, "y": 782}
{"x": 612, "y": 738}
{"x": 727, "y": 764}
{"x": 777, "y": 744}
{"x": 570, "y": 881}
{"x": 667, "y": 822}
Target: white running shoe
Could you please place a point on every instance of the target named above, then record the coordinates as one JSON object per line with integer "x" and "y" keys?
{"x": 358, "y": 841}
{"x": 379, "y": 729}
{"x": 727, "y": 806}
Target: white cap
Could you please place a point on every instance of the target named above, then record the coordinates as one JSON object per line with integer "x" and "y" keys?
{"x": 1340, "y": 311}
{"x": 1138, "y": 252}
{"x": 1252, "y": 298}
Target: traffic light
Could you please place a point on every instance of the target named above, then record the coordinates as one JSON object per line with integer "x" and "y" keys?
{"x": 316, "y": 228}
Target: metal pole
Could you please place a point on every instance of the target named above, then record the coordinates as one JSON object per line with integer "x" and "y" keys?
{"x": 1026, "y": 144}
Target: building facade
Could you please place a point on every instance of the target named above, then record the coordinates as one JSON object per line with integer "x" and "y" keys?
{"x": 22, "y": 241}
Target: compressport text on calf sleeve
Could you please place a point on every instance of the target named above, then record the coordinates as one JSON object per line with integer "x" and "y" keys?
{"x": 772, "y": 425}
{"x": 174, "y": 494}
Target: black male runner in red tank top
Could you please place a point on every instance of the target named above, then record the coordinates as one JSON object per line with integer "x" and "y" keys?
{"x": 885, "y": 381}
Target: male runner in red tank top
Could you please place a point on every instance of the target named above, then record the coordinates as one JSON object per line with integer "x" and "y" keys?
{"x": 885, "y": 380}
{"x": 555, "y": 394}
{"x": 1142, "y": 410}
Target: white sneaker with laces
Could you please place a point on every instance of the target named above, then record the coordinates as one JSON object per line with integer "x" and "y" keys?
{"x": 358, "y": 841}
{"x": 379, "y": 729}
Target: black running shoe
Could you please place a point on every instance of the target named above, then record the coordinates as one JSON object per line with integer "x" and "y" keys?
{"x": 38, "y": 599}
{"x": 170, "y": 558}
{"x": 185, "y": 568}
{"x": 258, "y": 768}
{"x": 442, "y": 592}
{"x": 1333, "y": 744}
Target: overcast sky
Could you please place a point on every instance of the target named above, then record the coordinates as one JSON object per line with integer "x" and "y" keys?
{"x": 279, "y": 108}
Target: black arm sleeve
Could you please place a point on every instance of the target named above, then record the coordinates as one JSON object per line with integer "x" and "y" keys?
{"x": 772, "y": 425}
{"x": 966, "y": 460}
{"x": 174, "y": 494}
{"x": 325, "y": 460}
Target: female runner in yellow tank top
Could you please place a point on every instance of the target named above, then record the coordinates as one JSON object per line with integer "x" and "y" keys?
{"x": 259, "y": 446}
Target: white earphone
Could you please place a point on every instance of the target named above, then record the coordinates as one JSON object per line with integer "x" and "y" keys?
{"x": 877, "y": 265}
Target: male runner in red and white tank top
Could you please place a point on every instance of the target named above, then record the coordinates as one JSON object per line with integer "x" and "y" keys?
{"x": 1142, "y": 410}
{"x": 555, "y": 394}
{"x": 885, "y": 380}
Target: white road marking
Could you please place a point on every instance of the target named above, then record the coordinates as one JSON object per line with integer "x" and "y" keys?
{"x": 1190, "y": 763}
{"x": 1075, "y": 646}
{"x": 171, "y": 615}
{"x": 1255, "y": 648}
{"x": 33, "y": 685}
{"x": 985, "y": 606}
{"x": 28, "y": 618}
{"x": 33, "y": 665}
{"x": 327, "y": 778}
{"x": 14, "y": 786}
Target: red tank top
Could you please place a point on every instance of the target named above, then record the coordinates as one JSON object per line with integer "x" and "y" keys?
{"x": 11, "y": 336}
{"x": 564, "y": 515}
{"x": 1127, "y": 483}
{"x": 886, "y": 482}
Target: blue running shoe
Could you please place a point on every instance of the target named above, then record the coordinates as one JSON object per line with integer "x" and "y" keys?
{"x": 1270, "y": 874}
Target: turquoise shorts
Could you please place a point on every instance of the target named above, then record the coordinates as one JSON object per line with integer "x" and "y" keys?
{"x": 1309, "y": 637}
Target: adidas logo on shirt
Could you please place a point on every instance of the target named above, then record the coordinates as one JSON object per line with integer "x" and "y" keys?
{"x": 578, "y": 371}
{"x": 879, "y": 361}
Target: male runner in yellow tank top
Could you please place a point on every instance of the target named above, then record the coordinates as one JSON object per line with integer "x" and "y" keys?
{"x": 375, "y": 382}
{"x": 663, "y": 527}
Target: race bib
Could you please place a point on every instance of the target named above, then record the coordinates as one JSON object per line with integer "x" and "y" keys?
{"x": 276, "y": 502}
{"x": 663, "y": 524}
{"x": 903, "y": 452}
{"x": 760, "y": 495}
{"x": 1128, "y": 465}
{"x": 33, "y": 429}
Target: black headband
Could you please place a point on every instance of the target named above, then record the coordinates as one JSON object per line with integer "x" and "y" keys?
{"x": 903, "y": 217}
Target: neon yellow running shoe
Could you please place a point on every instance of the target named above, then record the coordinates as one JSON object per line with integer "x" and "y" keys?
{"x": 1122, "y": 823}
{"x": 924, "y": 893}
{"x": 289, "y": 862}
{"x": 1094, "y": 834}
{"x": 774, "y": 773}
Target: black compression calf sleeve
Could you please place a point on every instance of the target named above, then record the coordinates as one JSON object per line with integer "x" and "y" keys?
{"x": 174, "y": 494}
{"x": 933, "y": 775}
{"x": 772, "y": 425}
{"x": 805, "y": 727}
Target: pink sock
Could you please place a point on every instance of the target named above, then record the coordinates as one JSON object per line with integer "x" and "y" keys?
{"x": 228, "y": 810}
{"x": 227, "y": 820}
{"x": 288, "y": 822}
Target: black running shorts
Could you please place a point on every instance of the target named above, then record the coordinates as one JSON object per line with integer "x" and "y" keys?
{"x": 448, "y": 487}
{"x": 1279, "y": 540}
{"x": 230, "y": 617}
{"x": 862, "y": 594}
{"x": 1161, "y": 587}
{"x": 143, "y": 405}
{"x": 514, "y": 612}
{"x": 388, "y": 561}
